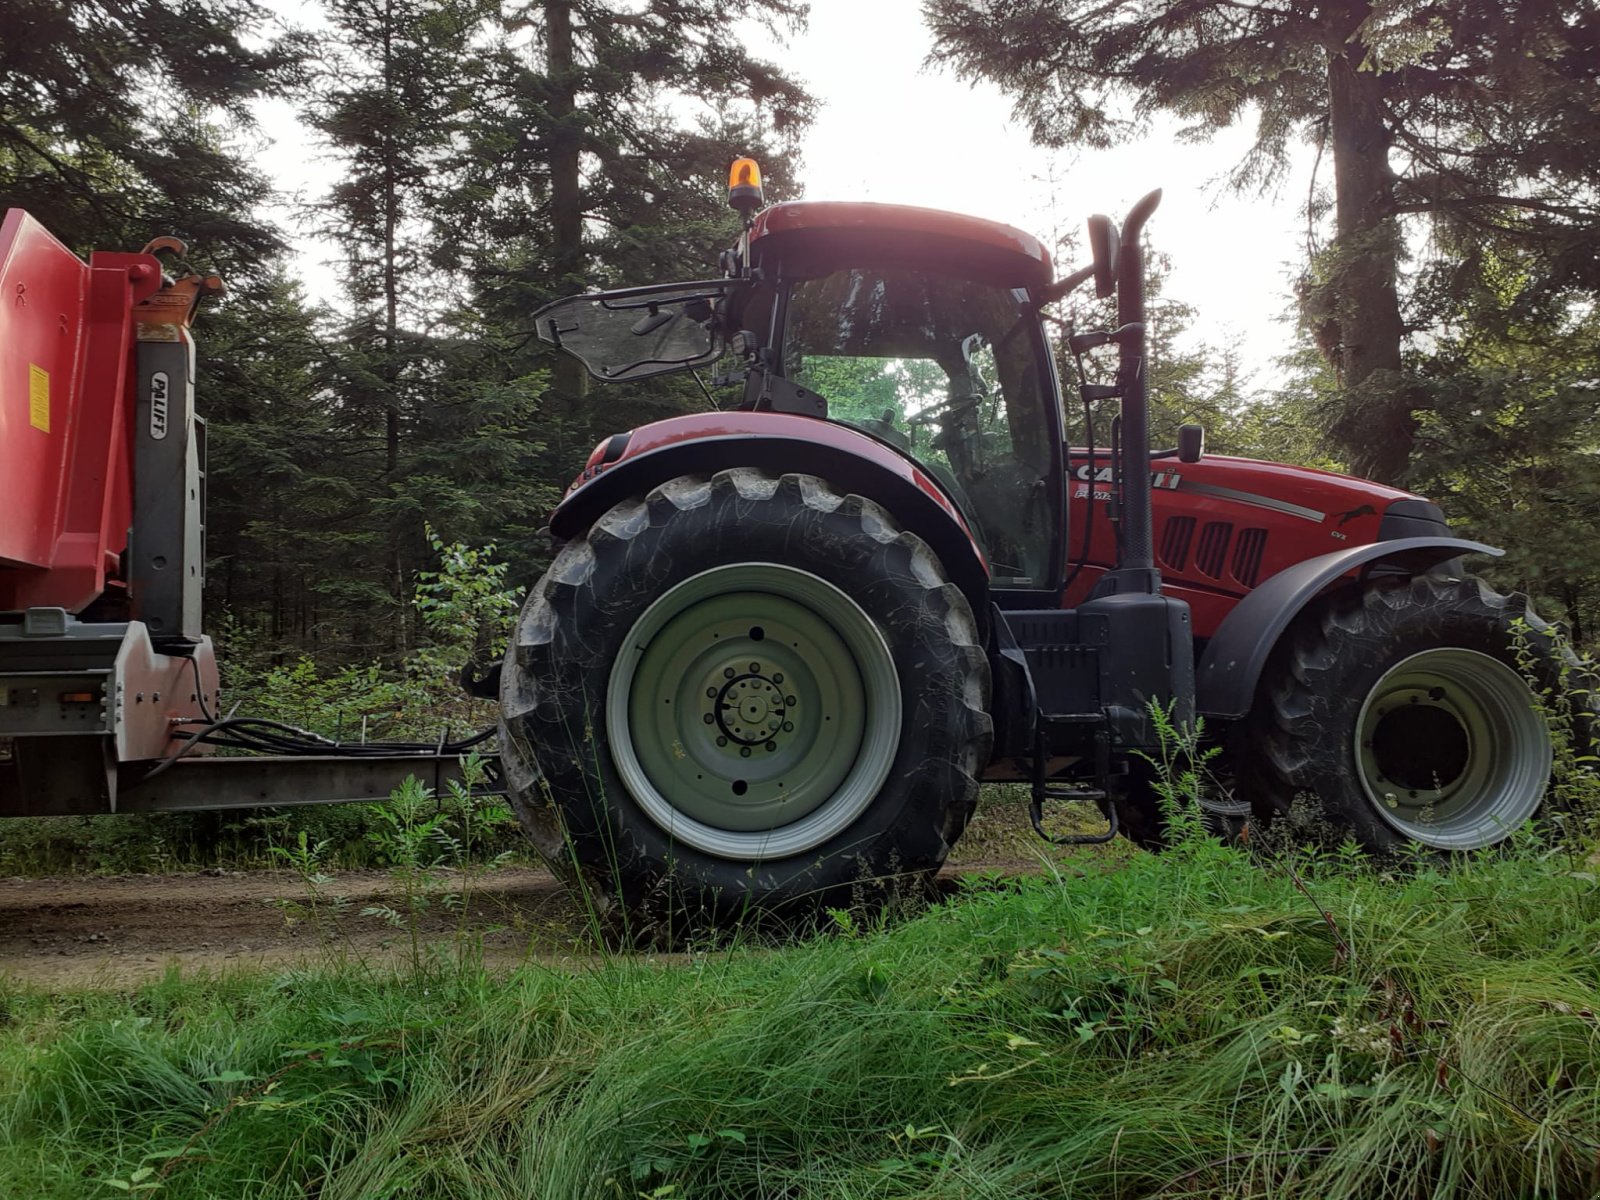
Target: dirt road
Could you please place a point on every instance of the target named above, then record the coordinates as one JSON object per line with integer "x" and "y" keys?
{"x": 117, "y": 931}
{"x": 69, "y": 931}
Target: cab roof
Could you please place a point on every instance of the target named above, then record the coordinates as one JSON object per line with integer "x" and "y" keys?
{"x": 808, "y": 236}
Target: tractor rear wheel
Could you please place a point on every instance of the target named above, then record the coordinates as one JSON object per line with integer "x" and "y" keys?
{"x": 1405, "y": 713}
{"x": 745, "y": 695}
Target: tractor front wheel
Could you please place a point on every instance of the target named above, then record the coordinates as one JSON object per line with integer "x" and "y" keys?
{"x": 1406, "y": 714}
{"x": 745, "y": 695}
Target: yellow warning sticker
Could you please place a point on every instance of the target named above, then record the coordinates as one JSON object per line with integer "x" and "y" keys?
{"x": 39, "y": 398}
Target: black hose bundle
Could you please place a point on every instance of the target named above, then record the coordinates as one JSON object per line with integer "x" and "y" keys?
{"x": 263, "y": 736}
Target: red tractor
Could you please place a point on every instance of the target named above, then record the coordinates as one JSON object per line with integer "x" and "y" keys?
{"x": 783, "y": 643}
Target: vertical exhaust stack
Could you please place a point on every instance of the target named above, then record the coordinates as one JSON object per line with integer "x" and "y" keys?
{"x": 1138, "y": 549}
{"x": 1146, "y": 636}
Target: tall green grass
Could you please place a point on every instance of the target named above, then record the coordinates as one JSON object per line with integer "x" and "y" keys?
{"x": 1194, "y": 1025}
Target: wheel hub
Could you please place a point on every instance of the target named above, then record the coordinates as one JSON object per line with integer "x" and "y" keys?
{"x": 753, "y": 709}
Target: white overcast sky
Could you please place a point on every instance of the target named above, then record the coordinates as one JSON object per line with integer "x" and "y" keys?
{"x": 891, "y": 130}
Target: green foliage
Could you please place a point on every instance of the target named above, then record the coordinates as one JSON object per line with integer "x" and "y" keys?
{"x": 463, "y": 610}
{"x": 1181, "y": 778}
{"x": 1508, "y": 438}
{"x": 320, "y": 907}
{"x": 422, "y": 838}
{"x": 1203, "y": 1028}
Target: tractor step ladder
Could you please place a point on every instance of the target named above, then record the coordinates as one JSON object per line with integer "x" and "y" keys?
{"x": 1044, "y": 790}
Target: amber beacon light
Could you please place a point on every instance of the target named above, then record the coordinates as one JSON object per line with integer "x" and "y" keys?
{"x": 744, "y": 187}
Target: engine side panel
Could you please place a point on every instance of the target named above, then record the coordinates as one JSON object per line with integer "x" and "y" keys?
{"x": 1224, "y": 525}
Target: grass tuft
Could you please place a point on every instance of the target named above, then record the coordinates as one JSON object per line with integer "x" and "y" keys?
{"x": 1197, "y": 1025}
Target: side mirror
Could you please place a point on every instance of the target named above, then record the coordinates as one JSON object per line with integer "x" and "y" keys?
{"x": 634, "y": 333}
{"x": 1106, "y": 248}
{"x": 1191, "y": 443}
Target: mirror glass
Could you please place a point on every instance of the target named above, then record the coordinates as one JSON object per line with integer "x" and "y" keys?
{"x": 1103, "y": 243}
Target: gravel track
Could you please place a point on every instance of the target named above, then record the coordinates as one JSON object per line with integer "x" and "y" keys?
{"x": 60, "y": 932}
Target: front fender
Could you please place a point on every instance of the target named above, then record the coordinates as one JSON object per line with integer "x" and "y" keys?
{"x": 1225, "y": 684}
{"x": 851, "y": 461}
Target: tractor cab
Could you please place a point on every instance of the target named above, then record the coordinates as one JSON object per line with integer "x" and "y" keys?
{"x": 804, "y": 626}
{"x": 918, "y": 328}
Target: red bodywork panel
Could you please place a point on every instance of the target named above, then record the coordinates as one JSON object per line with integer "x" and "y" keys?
{"x": 66, "y": 349}
{"x": 700, "y": 427}
{"x": 933, "y": 234}
{"x": 1222, "y": 525}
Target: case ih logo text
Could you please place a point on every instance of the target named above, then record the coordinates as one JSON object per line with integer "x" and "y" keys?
{"x": 158, "y": 405}
{"x": 1105, "y": 476}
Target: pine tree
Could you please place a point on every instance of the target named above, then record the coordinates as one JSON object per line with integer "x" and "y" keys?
{"x": 116, "y": 115}
{"x": 280, "y": 498}
{"x": 601, "y": 151}
{"x": 1470, "y": 114}
{"x": 391, "y": 91}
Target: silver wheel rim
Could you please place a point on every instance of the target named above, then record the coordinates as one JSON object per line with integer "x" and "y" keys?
{"x": 686, "y": 654}
{"x": 1450, "y": 749}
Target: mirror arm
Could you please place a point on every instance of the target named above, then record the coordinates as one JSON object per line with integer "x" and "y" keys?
{"x": 1062, "y": 287}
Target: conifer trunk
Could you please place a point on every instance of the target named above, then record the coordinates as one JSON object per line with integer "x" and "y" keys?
{"x": 1377, "y": 427}
{"x": 566, "y": 198}
{"x": 391, "y": 342}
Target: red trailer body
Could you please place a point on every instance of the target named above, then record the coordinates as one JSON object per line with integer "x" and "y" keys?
{"x": 106, "y": 677}
{"x": 65, "y": 355}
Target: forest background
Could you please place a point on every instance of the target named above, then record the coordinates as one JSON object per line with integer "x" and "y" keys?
{"x": 492, "y": 155}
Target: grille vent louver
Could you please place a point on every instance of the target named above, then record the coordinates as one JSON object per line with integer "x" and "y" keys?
{"x": 1247, "y": 552}
{"x": 1211, "y": 555}
{"x": 1176, "y": 536}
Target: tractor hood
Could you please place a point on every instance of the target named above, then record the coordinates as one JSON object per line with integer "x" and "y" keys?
{"x": 1223, "y": 525}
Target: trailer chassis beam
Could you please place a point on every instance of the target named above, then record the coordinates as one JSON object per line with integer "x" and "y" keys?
{"x": 192, "y": 784}
{"x": 219, "y": 784}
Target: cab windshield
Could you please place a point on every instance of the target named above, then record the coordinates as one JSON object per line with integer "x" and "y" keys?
{"x": 950, "y": 371}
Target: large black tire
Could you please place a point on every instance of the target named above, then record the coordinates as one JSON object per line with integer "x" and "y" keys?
{"x": 1401, "y": 711}
{"x": 659, "y": 837}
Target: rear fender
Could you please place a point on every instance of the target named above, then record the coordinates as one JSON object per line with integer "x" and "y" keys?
{"x": 1225, "y": 684}
{"x": 852, "y": 462}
